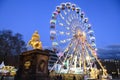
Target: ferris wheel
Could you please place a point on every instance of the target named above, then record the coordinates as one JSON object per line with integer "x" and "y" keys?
{"x": 73, "y": 38}
{"x": 67, "y": 20}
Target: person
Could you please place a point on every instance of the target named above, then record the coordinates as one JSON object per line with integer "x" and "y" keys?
{"x": 60, "y": 77}
{"x": 74, "y": 78}
{"x": 2, "y": 77}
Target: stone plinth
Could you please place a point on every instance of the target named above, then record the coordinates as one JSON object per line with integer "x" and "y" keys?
{"x": 33, "y": 65}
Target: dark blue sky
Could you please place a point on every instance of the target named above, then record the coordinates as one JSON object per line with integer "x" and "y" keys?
{"x": 26, "y": 16}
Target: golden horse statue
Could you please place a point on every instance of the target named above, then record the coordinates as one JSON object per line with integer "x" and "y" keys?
{"x": 35, "y": 41}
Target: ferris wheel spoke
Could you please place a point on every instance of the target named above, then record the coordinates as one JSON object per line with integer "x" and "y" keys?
{"x": 77, "y": 16}
{"x": 84, "y": 27}
{"x": 65, "y": 26}
{"x": 65, "y": 40}
{"x": 67, "y": 33}
{"x": 68, "y": 23}
{"x": 65, "y": 19}
{"x": 69, "y": 18}
{"x": 61, "y": 24}
{"x": 64, "y": 12}
{"x": 61, "y": 16}
{"x": 62, "y": 41}
{"x": 74, "y": 15}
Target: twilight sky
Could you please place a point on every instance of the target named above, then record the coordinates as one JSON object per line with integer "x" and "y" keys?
{"x": 26, "y": 16}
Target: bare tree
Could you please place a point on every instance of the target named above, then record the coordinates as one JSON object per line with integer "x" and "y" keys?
{"x": 11, "y": 44}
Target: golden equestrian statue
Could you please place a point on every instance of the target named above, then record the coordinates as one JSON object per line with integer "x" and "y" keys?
{"x": 35, "y": 41}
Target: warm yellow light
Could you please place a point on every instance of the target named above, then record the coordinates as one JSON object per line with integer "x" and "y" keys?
{"x": 87, "y": 58}
{"x": 79, "y": 32}
{"x": 13, "y": 73}
{"x": 84, "y": 35}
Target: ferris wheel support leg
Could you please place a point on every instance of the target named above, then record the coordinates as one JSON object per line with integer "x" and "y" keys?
{"x": 93, "y": 53}
{"x": 54, "y": 64}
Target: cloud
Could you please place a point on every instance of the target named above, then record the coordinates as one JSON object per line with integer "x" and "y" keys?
{"x": 111, "y": 51}
{"x": 114, "y": 46}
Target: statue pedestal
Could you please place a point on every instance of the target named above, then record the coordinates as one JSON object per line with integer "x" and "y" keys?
{"x": 33, "y": 65}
